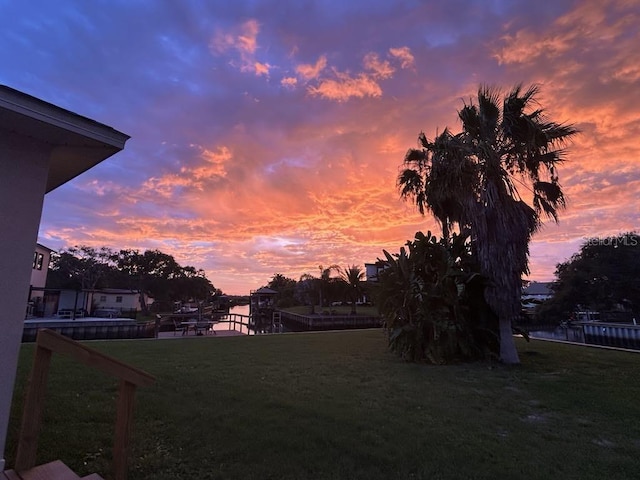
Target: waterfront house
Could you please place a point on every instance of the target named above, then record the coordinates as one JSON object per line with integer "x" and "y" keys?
{"x": 39, "y": 269}
{"x": 534, "y": 294}
{"x": 372, "y": 270}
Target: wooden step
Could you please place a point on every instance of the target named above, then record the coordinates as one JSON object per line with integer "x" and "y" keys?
{"x": 49, "y": 471}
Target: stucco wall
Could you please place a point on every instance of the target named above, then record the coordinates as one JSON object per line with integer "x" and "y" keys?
{"x": 24, "y": 166}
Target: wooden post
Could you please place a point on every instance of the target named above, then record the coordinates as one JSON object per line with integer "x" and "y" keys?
{"x": 33, "y": 410}
{"x": 124, "y": 420}
{"x": 130, "y": 377}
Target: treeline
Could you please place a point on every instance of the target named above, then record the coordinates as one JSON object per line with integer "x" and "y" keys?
{"x": 323, "y": 290}
{"x": 151, "y": 273}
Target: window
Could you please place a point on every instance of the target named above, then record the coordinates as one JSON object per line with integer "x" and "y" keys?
{"x": 35, "y": 260}
{"x": 39, "y": 261}
{"x": 119, "y": 299}
{"x": 103, "y": 298}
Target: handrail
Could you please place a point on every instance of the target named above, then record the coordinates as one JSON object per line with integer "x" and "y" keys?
{"x": 130, "y": 377}
{"x": 232, "y": 320}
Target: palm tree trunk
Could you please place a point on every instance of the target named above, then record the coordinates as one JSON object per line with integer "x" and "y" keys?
{"x": 503, "y": 296}
{"x": 498, "y": 299}
{"x": 508, "y": 350}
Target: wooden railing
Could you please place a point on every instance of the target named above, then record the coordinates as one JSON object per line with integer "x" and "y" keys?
{"x": 130, "y": 377}
{"x": 237, "y": 321}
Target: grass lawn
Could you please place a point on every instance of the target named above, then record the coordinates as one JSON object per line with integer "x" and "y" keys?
{"x": 339, "y": 406}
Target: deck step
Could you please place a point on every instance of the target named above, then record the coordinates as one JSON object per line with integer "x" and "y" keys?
{"x": 49, "y": 471}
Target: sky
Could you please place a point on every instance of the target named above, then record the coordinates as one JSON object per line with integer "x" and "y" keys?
{"x": 267, "y": 135}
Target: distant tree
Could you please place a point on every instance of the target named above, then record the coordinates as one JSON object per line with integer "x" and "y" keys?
{"x": 152, "y": 273}
{"x": 353, "y": 276}
{"x": 478, "y": 180}
{"x": 80, "y": 267}
{"x": 189, "y": 284}
{"x": 324, "y": 282}
{"x": 147, "y": 273}
{"x": 602, "y": 276}
{"x": 286, "y": 288}
{"x": 307, "y": 290}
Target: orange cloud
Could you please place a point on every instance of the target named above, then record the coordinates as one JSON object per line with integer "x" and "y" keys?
{"x": 308, "y": 71}
{"x": 404, "y": 55}
{"x": 289, "y": 82}
{"x": 261, "y": 68}
{"x": 247, "y": 39}
{"x": 215, "y": 163}
{"x": 590, "y": 25}
{"x": 380, "y": 69}
{"x": 345, "y": 87}
{"x": 244, "y": 41}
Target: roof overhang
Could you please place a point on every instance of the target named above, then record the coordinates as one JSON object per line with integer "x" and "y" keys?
{"x": 78, "y": 143}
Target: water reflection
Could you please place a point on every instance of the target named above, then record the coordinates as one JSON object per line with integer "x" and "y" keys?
{"x": 239, "y": 313}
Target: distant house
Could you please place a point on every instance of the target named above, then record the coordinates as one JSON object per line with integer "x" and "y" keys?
{"x": 108, "y": 302}
{"x": 39, "y": 269}
{"x": 372, "y": 270}
{"x": 117, "y": 299}
{"x": 41, "y": 260}
{"x": 534, "y": 294}
{"x": 538, "y": 291}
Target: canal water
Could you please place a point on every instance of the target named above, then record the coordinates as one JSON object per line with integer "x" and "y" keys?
{"x": 235, "y": 311}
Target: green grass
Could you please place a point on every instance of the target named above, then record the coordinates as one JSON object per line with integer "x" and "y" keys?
{"x": 339, "y": 406}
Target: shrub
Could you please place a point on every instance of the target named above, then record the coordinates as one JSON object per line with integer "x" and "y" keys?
{"x": 431, "y": 298}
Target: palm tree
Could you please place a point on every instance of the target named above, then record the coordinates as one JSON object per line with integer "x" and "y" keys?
{"x": 479, "y": 179}
{"x": 307, "y": 287}
{"x": 324, "y": 280}
{"x": 352, "y": 276}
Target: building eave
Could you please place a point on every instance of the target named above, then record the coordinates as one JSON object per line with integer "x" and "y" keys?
{"x": 78, "y": 143}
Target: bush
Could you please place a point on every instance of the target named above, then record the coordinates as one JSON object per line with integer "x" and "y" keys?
{"x": 431, "y": 298}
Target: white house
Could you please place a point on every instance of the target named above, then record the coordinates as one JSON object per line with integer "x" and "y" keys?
{"x": 40, "y": 266}
{"x": 118, "y": 299}
{"x": 42, "y": 146}
{"x": 373, "y": 269}
{"x": 534, "y": 294}
{"x": 39, "y": 269}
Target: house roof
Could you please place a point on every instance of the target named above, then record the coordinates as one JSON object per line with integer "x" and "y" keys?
{"x": 538, "y": 288}
{"x": 265, "y": 291}
{"x": 118, "y": 291}
{"x": 79, "y": 142}
{"x": 44, "y": 248}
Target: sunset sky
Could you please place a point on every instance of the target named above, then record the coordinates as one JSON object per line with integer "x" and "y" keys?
{"x": 267, "y": 136}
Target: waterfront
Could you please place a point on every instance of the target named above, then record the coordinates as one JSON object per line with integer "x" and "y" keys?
{"x": 595, "y": 333}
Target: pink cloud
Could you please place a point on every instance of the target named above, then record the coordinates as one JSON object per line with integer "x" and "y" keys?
{"x": 289, "y": 82}
{"x": 345, "y": 87}
{"x": 403, "y": 54}
{"x": 309, "y": 72}
{"x": 379, "y": 69}
{"x": 243, "y": 41}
